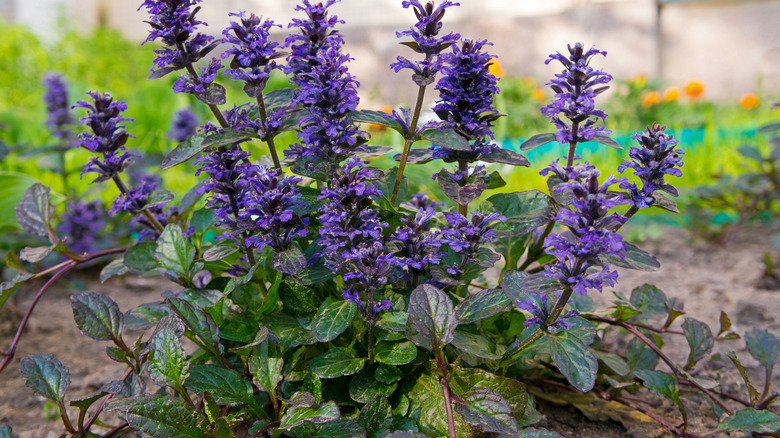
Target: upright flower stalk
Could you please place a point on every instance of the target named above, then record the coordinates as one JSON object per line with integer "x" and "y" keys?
{"x": 574, "y": 110}
{"x": 60, "y": 119}
{"x": 428, "y": 42}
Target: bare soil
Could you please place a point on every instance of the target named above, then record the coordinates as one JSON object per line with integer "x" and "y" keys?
{"x": 708, "y": 278}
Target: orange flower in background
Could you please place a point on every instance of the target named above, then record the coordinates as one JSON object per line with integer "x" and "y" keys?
{"x": 694, "y": 89}
{"x": 749, "y": 101}
{"x": 373, "y": 127}
{"x": 671, "y": 94}
{"x": 651, "y": 98}
{"x": 538, "y": 94}
{"x": 495, "y": 69}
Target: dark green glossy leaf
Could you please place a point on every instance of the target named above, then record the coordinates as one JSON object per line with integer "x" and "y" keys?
{"x": 635, "y": 258}
{"x": 750, "y": 420}
{"x": 432, "y": 321}
{"x": 45, "y": 375}
{"x": 518, "y": 286}
{"x": 221, "y": 429}
{"x": 157, "y": 198}
{"x": 225, "y": 385}
{"x": 649, "y": 300}
{"x": 426, "y": 408}
{"x": 505, "y": 156}
{"x": 220, "y": 251}
{"x": 483, "y": 304}
{"x": 281, "y": 97}
{"x": 640, "y": 356}
{"x": 319, "y": 414}
{"x": 341, "y": 429}
{"x": 198, "y": 321}
{"x": 193, "y": 146}
{"x": 763, "y": 346}
{"x": 613, "y": 362}
{"x": 315, "y": 274}
{"x": 144, "y": 316}
{"x": 575, "y": 361}
{"x": 395, "y": 353}
{"x": 97, "y": 316}
{"x": 364, "y": 387}
{"x": 606, "y": 141}
{"x": 662, "y": 201}
{"x": 465, "y": 379}
{"x": 139, "y": 258}
{"x": 34, "y": 211}
{"x": 291, "y": 261}
{"x": 388, "y": 373}
{"x": 115, "y": 267}
{"x": 332, "y": 318}
{"x": 700, "y": 340}
{"x": 202, "y": 219}
{"x": 337, "y": 362}
{"x": 154, "y": 416}
{"x": 447, "y": 138}
{"x": 376, "y": 417}
{"x": 537, "y": 140}
{"x": 167, "y": 360}
{"x": 288, "y": 330}
{"x": 174, "y": 252}
{"x": 300, "y": 300}
{"x": 488, "y": 410}
{"x": 661, "y": 383}
{"x": 476, "y": 345}
{"x": 524, "y": 211}
{"x": 377, "y": 118}
{"x": 228, "y": 137}
{"x": 266, "y": 365}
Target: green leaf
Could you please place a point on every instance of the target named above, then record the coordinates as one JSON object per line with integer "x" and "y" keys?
{"x": 8, "y": 287}
{"x": 524, "y": 211}
{"x": 427, "y": 408}
{"x": 405, "y": 434}
{"x": 476, "y": 345}
{"x": 266, "y": 365}
{"x": 220, "y": 251}
{"x": 465, "y": 379}
{"x": 395, "y": 353}
{"x": 535, "y": 433}
{"x": 754, "y": 396}
{"x": 337, "y": 362}
{"x": 227, "y": 137}
{"x": 341, "y": 429}
{"x": 575, "y": 361}
{"x": 12, "y": 189}
{"x": 750, "y": 420}
{"x": 606, "y": 141}
{"x": 222, "y": 429}
{"x": 198, "y": 321}
{"x": 505, "y": 156}
{"x": 115, "y": 267}
{"x": 226, "y": 385}
{"x": 537, "y": 140}
{"x": 332, "y": 318}
{"x": 649, "y": 300}
{"x": 388, "y": 373}
{"x": 431, "y": 323}
{"x": 97, "y": 316}
{"x": 635, "y": 258}
{"x": 184, "y": 151}
{"x": 202, "y": 219}
{"x": 139, "y": 258}
{"x": 613, "y": 362}
{"x": 447, "y": 138}
{"x": 174, "y": 252}
{"x": 752, "y": 153}
{"x": 34, "y": 211}
{"x": 700, "y": 340}
{"x": 364, "y": 386}
{"x": 323, "y": 413}
{"x": 377, "y": 118}
{"x": 763, "y": 346}
{"x": 393, "y": 321}
{"x": 483, "y": 304}
{"x": 154, "y": 416}
{"x": 45, "y": 375}
{"x": 376, "y": 417}
{"x": 168, "y": 362}
{"x": 290, "y": 261}
{"x": 157, "y": 198}
{"x": 7, "y": 432}
{"x": 288, "y": 330}
{"x": 488, "y": 410}
{"x": 640, "y": 356}
{"x": 661, "y": 383}
{"x": 299, "y": 300}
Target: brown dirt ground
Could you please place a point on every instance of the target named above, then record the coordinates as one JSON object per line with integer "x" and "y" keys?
{"x": 707, "y": 277}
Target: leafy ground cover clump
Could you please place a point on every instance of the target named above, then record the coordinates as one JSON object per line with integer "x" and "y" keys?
{"x": 311, "y": 294}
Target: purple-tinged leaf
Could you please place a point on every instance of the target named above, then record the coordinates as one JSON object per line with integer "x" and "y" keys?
{"x": 160, "y": 72}
{"x": 447, "y": 138}
{"x": 34, "y": 212}
{"x": 663, "y": 202}
{"x": 417, "y": 156}
{"x": 193, "y": 146}
{"x": 763, "y": 346}
{"x": 45, "y": 375}
{"x": 198, "y": 321}
{"x": 488, "y": 410}
{"x": 291, "y": 261}
{"x": 700, "y": 341}
{"x": 537, "y": 140}
{"x": 220, "y": 251}
{"x": 228, "y": 137}
{"x": 483, "y": 304}
{"x": 376, "y": 118}
{"x": 575, "y": 361}
{"x": 606, "y": 141}
{"x": 505, "y": 156}
{"x": 432, "y": 321}
{"x": 635, "y": 258}
{"x": 97, "y": 316}
{"x": 214, "y": 95}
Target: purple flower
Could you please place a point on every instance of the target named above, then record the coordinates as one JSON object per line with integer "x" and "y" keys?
{"x": 315, "y": 32}
{"x": 198, "y": 86}
{"x": 418, "y": 245}
{"x": 227, "y": 177}
{"x": 267, "y": 202}
{"x": 421, "y": 201}
{"x": 591, "y": 229}
{"x": 106, "y": 135}
{"x": 134, "y": 200}
{"x": 60, "y": 117}
{"x": 183, "y": 125}
{"x": 466, "y": 237}
{"x": 368, "y": 263}
{"x": 404, "y": 119}
{"x": 81, "y": 223}
{"x": 427, "y": 41}
{"x": 253, "y": 55}
{"x": 575, "y": 88}
{"x": 656, "y": 158}
{"x": 540, "y": 307}
{"x": 466, "y": 100}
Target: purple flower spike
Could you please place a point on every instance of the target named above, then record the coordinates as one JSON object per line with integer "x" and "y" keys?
{"x": 656, "y": 158}
{"x": 540, "y": 307}
{"x": 427, "y": 41}
{"x": 467, "y": 237}
{"x": 315, "y": 32}
{"x": 466, "y": 100}
{"x": 60, "y": 119}
{"x": 419, "y": 246}
{"x": 228, "y": 175}
{"x": 253, "y": 55}
{"x": 81, "y": 222}
{"x": 107, "y": 136}
{"x": 575, "y": 88}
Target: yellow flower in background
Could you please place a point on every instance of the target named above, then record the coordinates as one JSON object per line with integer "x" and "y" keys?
{"x": 538, "y": 94}
{"x": 671, "y": 94}
{"x": 694, "y": 89}
{"x": 651, "y": 98}
{"x": 639, "y": 81}
{"x": 495, "y": 69}
{"x": 749, "y": 101}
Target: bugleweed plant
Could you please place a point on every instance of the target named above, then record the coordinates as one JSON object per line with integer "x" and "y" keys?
{"x": 333, "y": 303}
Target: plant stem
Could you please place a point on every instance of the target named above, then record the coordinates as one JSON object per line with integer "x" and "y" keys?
{"x": 463, "y": 167}
{"x": 537, "y": 249}
{"x": 572, "y": 144}
{"x": 191, "y": 70}
{"x": 410, "y": 138}
{"x": 103, "y": 402}
{"x": 268, "y": 138}
{"x": 441, "y": 364}
{"x": 146, "y": 214}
